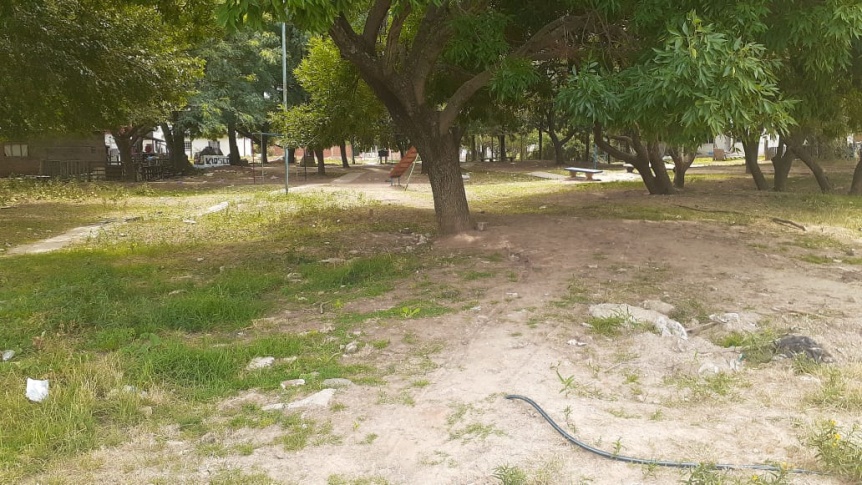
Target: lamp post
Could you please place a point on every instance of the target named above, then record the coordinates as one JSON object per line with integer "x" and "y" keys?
{"x": 284, "y": 100}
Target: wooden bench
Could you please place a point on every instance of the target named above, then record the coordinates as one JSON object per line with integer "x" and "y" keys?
{"x": 588, "y": 172}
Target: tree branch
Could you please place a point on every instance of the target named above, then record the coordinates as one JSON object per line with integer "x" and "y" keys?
{"x": 460, "y": 98}
{"x": 434, "y": 32}
{"x": 375, "y": 20}
{"x": 392, "y": 39}
{"x": 610, "y": 149}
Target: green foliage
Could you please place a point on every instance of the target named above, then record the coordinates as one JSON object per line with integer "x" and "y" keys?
{"x": 340, "y": 105}
{"x": 510, "y": 475}
{"x": 78, "y": 66}
{"x": 478, "y": 39}
{"x": 839, "y": 450}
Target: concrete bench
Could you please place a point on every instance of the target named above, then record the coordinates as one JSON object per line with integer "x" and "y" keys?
{"x": 588, "y": 172}
{"x": 629, "y": 167}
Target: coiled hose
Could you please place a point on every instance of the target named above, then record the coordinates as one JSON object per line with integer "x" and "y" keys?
{"x": 640, "y": 461}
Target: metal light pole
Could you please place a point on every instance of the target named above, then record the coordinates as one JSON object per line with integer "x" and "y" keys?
{"x": 284, "y": 100}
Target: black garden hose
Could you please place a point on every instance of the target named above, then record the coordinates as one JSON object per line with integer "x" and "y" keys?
{"x": 640, "y": 461}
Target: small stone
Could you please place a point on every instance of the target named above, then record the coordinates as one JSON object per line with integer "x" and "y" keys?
{"x": 260, "y": 363}
{"x": 294, "y": 276}
{"x": 512, "y": 294}
{"x": 293, "y": 383}
{"x": 337, "y": 382}
{"x": 147, "y": 410}
{"x": 593, "y": 266}
{"x": 190, "y": 221}
{"x": 576, "y": 343}
{"x": 351, "y": 348}
{"x": 200, "y": 260}
{"x": 333, "y": 260}
{"x": 320, "y": 399}
{"x": 659, "y": 306}
{"x": 176, "y": 292}
{"x": 8, "y": 354}
{"x": 273, "y": 407}
{"x": 791, "y": 345}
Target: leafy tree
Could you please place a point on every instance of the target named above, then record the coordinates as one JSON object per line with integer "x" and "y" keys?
{"x": 425, "y": 61}
{"x": 341, "y": 104}
{"x": 699, "y": 81}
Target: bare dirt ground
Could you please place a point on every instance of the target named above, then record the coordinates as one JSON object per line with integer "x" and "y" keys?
{"x": 442, "y": 418}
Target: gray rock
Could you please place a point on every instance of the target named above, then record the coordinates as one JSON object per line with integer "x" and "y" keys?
{"x": 658, "y": 306}
{"x": 351, "y": 348}
{"x": 633, "y": 314}
{"x": 319, "y": 399}
{"x": 293, "y": 383}
{"x": 260, "y": 363}
{"x": 337, "y": 382}
{"x": 8, "y": 354}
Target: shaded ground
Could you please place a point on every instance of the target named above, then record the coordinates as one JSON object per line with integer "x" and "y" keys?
{"x": 524, "y": 286}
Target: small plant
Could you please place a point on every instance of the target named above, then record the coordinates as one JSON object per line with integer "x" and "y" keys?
{"x": 510, "y": 475}
{"x": 758, "y": 347}
{"x": 611, "y": 326}
{"x": 706, "y": 474}
{"x": 408, "y": 312}
{"x": 838, "y": 450}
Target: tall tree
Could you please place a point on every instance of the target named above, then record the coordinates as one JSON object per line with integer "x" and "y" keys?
{"x": 425, "y": 60}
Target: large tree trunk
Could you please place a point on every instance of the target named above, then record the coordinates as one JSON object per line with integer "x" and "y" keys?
{"x": 291, "y": 155}
{"x": 663, "y": 183}
{"x": 781, "y": 163}
{"x": 264, "y": 144}
{"x": 856, "y": 185}
{"x": 124, "y": 145}
{"x": 440, "y": 155}
{"x": 797, "y": 144}
{"x": 541, "y": 152}
{"x": 751, "y": 146}
{"x": 559, "y": 156}
{"x": 232, "y": 145}
{"x": 321, "y": 168}
{"x": 343, "y": 148}
{"x": 502, "y": 148}
{"x": 176, "y": 141}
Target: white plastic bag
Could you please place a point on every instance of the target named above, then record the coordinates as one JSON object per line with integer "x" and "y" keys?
{"x": 37, "y": 390}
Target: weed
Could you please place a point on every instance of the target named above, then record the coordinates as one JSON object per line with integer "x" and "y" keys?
{"x": 837, "y": 392}
{"x": 475, "y": 430}
{"x": 420, "y": 383}
{"x": 706, "y": 388}
{"x": 839, "y": 450}
{"x": 380, "y": 344}
{"x": 342, "y": 480}
{"x": 758, "y": 347}
{"x": 611, "y": 326}
{"x": 706, "y": 474}
{"x": 369, "y": 438}
{"x": 476, "y": 275}
{"x": 235, "y": 476}
{"x": 510, "y": 475}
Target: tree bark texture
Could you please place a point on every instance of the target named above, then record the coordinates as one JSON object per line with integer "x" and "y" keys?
{"x": 751, "y": 146}
{"x": 652, "y": 172}
{"x": 343, "y": 148}
{"x": 321, "y": 167}
{"x": 502, "y": 148}
{"x": 440, "y": 153}
{"x": 797, "y": 144}
{"x": 781, "y": 163}
{"x": 682, "y": 160}
{"x": 233, "y": 156}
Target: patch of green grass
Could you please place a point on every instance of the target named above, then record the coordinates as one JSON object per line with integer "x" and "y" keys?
{"x": 473, "y": 275}
{"x": 688, "y": 309}
{"x": 707, "y": 388}
{"x": 757, "y": 347}
{"x": 474, "y": 431}
{"x": 235, "y": 476}
{"x": 840, "y": 390}
{"x": 815, "y": 259}
{"x": 369, "y": 438}
{"x": 343, "y": 480}
{"x": 611, "y": 326}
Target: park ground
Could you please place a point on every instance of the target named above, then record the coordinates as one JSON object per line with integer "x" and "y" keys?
{"x": 146, "y": 324}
